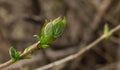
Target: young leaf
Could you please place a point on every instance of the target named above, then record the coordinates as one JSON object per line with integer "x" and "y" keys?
{"x": 46, "y": 21}
{"x": 12, "y": 52}
{"x": 37, "y": 37}
{"x": 106, "y": 31}
{"x": 27, "y": 49}
{"x": 44, "y": 46}
{"x": 17, "y": 56}
{"x": 52, "y": 30}
{"x": 29, "y": 55}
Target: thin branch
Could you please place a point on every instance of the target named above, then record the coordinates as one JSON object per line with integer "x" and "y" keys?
{"x": 36, "y": 45}
{"x": 34, "y": 48}
{"x": 45, "y": 38}
{"x": 82, "y": 51}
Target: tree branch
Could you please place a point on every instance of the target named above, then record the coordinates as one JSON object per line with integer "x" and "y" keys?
{"x": 49, "y": 33}
{"x": 80, "y": 53}
{"x": 34, "y": 48}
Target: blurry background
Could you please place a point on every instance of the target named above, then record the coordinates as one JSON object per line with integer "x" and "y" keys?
{"x": 21, "y": 19}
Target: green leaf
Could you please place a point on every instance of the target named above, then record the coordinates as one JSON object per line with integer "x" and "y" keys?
{"x": 52, "y": 30}
{"x": 64, "y": 21}
{"x": 37, "y": 37}
{"x": 48, "y": 31}
{"x": 46, "y": 21}
{"x": 45, "y": 46}
{"x": 12, "y": 52}
{"x": 29, "y": 55}
{"x": 28, "y": 48}
{"x": 106, "y": 32}
{"x": 17, "y": 56}
{"x": 46, "y": 40}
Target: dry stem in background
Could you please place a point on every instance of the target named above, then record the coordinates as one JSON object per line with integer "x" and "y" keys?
{"x": 82, "y": 51}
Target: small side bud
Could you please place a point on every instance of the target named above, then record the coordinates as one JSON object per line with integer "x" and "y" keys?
{"x": 106, "y": 31}
{"x": 12, "y": 52}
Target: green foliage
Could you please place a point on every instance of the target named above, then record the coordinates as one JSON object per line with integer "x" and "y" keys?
{"x": 37, "y": 37}
{"x": 12, "y": 52}
{"x": 29, "y": 55}
{"x": 51, "y": 30}
{"x": 15, "y": 55}
{"x": 106, "y": 31}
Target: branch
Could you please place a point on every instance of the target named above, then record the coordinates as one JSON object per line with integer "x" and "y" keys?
{"x": 50, "y": 31}
{"x": 34, "y": 48}
{"x": 80, "y": 53}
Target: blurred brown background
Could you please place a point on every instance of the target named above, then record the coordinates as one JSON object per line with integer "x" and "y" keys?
{"x": 21, "y": 19}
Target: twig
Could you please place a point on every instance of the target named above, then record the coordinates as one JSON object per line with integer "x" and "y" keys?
{"x": 36, "y": 45}
{"x": 82, "y": 51}
{"x": 48, "y": 35}
{"x": 101, "y": 10}
{"x": 34, "y": 48}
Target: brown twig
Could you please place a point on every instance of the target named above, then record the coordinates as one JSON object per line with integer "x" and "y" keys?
{"x": 34, "y": 48}
{"x": 36, "y": 45}
{"x": 82, "y": 51}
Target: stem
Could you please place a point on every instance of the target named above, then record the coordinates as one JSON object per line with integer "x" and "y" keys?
{"x": 71, "y": 57}
{"x": 79, "y": 53}
{"x": 34, "y": 48}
